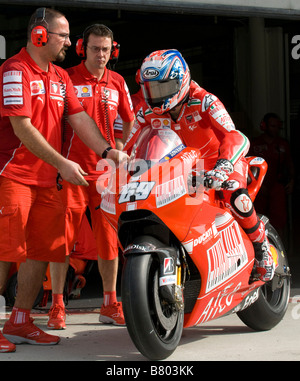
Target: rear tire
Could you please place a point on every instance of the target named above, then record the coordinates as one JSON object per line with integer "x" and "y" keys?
{"x": 271, "y": 305}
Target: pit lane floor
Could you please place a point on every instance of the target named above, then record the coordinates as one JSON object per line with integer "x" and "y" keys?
{"x": 227, "y": 338}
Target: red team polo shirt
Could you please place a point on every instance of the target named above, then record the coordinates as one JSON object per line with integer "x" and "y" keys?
{"x": 26, "y": 90}
{"x": 203, "y": 123}
{"x": 103, "y": 100}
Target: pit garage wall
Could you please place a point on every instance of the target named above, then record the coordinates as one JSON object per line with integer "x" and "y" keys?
{"x": 248, "y": 8}
{"x": 260, "y": 76}
{"x": 261, "y": 73}
{"x": 260, "y": 80}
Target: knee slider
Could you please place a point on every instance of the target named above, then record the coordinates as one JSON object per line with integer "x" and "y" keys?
{"x": 241, "y": 202}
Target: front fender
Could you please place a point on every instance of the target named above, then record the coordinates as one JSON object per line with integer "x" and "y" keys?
{"x": 168, "y": 259}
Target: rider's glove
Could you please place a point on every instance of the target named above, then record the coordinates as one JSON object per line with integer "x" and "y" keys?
{"x": 215, "y": 178}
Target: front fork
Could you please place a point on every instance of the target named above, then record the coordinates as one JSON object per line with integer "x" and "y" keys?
{"x": 171, "y": 281}
{"x": 171, "y": 260}
{"x": 179, "y": 290}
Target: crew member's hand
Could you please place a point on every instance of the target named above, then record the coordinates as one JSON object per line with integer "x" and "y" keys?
{"x": 215, "y": 178}
{"x": 72, "y": 172}
{"x": 117, "y": 156}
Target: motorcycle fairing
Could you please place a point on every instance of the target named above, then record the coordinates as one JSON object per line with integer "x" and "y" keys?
{"x": 223, "y": 255}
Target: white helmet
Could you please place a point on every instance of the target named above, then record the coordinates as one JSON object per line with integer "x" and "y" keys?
{"x": 165, "y": 79}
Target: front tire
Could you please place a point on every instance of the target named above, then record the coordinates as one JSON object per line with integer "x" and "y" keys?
{"x": 272, "y": 303}
{"x": 154, "y": 325}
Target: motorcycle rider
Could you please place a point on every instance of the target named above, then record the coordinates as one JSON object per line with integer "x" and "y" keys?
{"x": 174, "y": 101}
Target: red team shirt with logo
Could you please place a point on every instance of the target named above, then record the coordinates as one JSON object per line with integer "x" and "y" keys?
{"x": 103, "y": 100}
{"x": 203, "y": 123}
{"x": 26, "y": 90}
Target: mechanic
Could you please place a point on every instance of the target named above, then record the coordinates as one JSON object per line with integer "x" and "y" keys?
{"x": 104, "y": 95}
{"x": 35, "y": 96}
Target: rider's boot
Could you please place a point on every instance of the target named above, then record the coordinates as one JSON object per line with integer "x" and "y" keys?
{"x": 264, "y": 267}
{"x": 246, "y": 216}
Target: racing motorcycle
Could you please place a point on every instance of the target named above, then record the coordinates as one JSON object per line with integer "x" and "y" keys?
{"x": 186, "y": 259}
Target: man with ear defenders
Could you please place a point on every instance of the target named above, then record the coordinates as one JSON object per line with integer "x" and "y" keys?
{"x": 104, "y": 95}
{"x": 33, "y": 97}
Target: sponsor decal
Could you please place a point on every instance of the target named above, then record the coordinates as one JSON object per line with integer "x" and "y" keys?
{"x": 170, "y": 191}
{"x": 57, "y": 90}
{"x": 231, "y": 184}
{"x": 168, "y": 266}
{"x": 12, "y": 76}
{"x": 202, "y": 239}
{"x": 150, "y": 73}
{"x": 140, "y": 116}
{"x": 216, "y": 109}
{"x": 108, "y": 202}
{"x": 173, "y": 153}
{"x": 250, "y": 299}
{"x": 37, "y": 87}
{"x": 189, "y": 119}
{"x": 83, "y": 91}
{"x": 146, "y": 247}
{"x": 135, "y": 246}
{"x": 197, "y": 116}
{"x": 15, "y": 89}
{"x": 110, "y": 95}
{"x": 218, "y": 303}
{"x": 160, "y": 123}
{"x": 219, "y": 113}
{"x": 257, "y": 161}
{"x": 188, "y": 157}
{"x": 131, "y": 206}
{"x": 192, "y": 118}
{"x": 207, "y": 101}
{"x": 165, "y": 280}
{"x": 243, "y": 203}
{"x": 226, "y": 257}
{"x": 13, "y": 101}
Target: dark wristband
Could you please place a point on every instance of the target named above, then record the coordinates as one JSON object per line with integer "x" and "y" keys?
{"x": 105, "y": 152}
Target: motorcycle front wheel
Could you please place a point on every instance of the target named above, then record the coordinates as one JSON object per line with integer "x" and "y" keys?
{"x": 154, "y": 324}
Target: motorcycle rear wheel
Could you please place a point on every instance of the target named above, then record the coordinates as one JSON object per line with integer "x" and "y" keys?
{"x": 271, "y": 305}
{"x": 154, "y": 325}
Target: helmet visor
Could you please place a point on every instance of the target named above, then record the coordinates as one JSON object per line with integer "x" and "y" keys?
{"x": 156, "y": 92}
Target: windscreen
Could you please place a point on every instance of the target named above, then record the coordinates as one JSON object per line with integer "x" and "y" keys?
{"x": 153, "y": 145}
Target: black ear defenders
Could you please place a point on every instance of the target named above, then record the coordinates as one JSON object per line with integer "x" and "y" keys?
{"x": 39, "y": 32}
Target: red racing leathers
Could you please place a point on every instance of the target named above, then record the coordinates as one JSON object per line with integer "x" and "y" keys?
{"x": 204, "y": 123}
